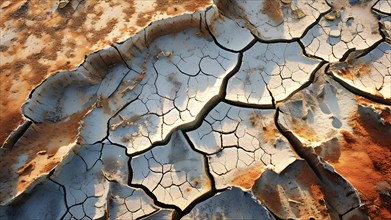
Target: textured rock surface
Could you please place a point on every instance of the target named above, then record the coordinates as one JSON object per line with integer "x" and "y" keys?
{"x": 195, "y": 109}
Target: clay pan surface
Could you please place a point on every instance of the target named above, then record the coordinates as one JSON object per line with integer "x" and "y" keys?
{"x": 185, "y": 109}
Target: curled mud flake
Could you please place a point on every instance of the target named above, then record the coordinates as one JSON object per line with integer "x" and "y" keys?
{"x": 299, "y": 13}
{"x": 162, "y": 53}
{"x": 42, "y": 152}
{"x": 331, "y": 16}
{"x": 286, "y": 1}
{"x": 26, "y": 169}
{"x": 63, "y": 3}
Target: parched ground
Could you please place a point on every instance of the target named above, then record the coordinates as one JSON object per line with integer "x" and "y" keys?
{"x": 176, "y": 109}
{"x": 39, "y": 38}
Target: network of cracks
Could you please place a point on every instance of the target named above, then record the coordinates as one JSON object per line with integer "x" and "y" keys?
{"x": 244, "y": 110}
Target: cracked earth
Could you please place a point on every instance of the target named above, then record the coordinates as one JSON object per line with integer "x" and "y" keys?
{"x": 231, "y": 109}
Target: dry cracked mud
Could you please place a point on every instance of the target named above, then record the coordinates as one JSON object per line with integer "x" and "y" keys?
{"x": 224, "y": 109}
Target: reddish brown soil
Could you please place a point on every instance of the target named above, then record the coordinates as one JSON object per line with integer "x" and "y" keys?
{"x": 318, "y": 196}
{"x": 273, "y": 201}
{"x": 300, "y": 175}
{"x": 247, "y": 178}
{"x": 51, "y": 27}
{"x": 365, "y": 162}
{"x": 40, "y": 145}
{"x": 308, "y": 180}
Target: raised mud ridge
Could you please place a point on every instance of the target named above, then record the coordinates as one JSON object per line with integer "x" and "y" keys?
{"x": 245, "y": 109}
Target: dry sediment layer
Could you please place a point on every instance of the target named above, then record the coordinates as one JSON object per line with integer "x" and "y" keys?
{"x": 163, "y": 123}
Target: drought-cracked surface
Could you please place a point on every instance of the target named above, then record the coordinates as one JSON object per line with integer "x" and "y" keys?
{"x": 269, "y": 109}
